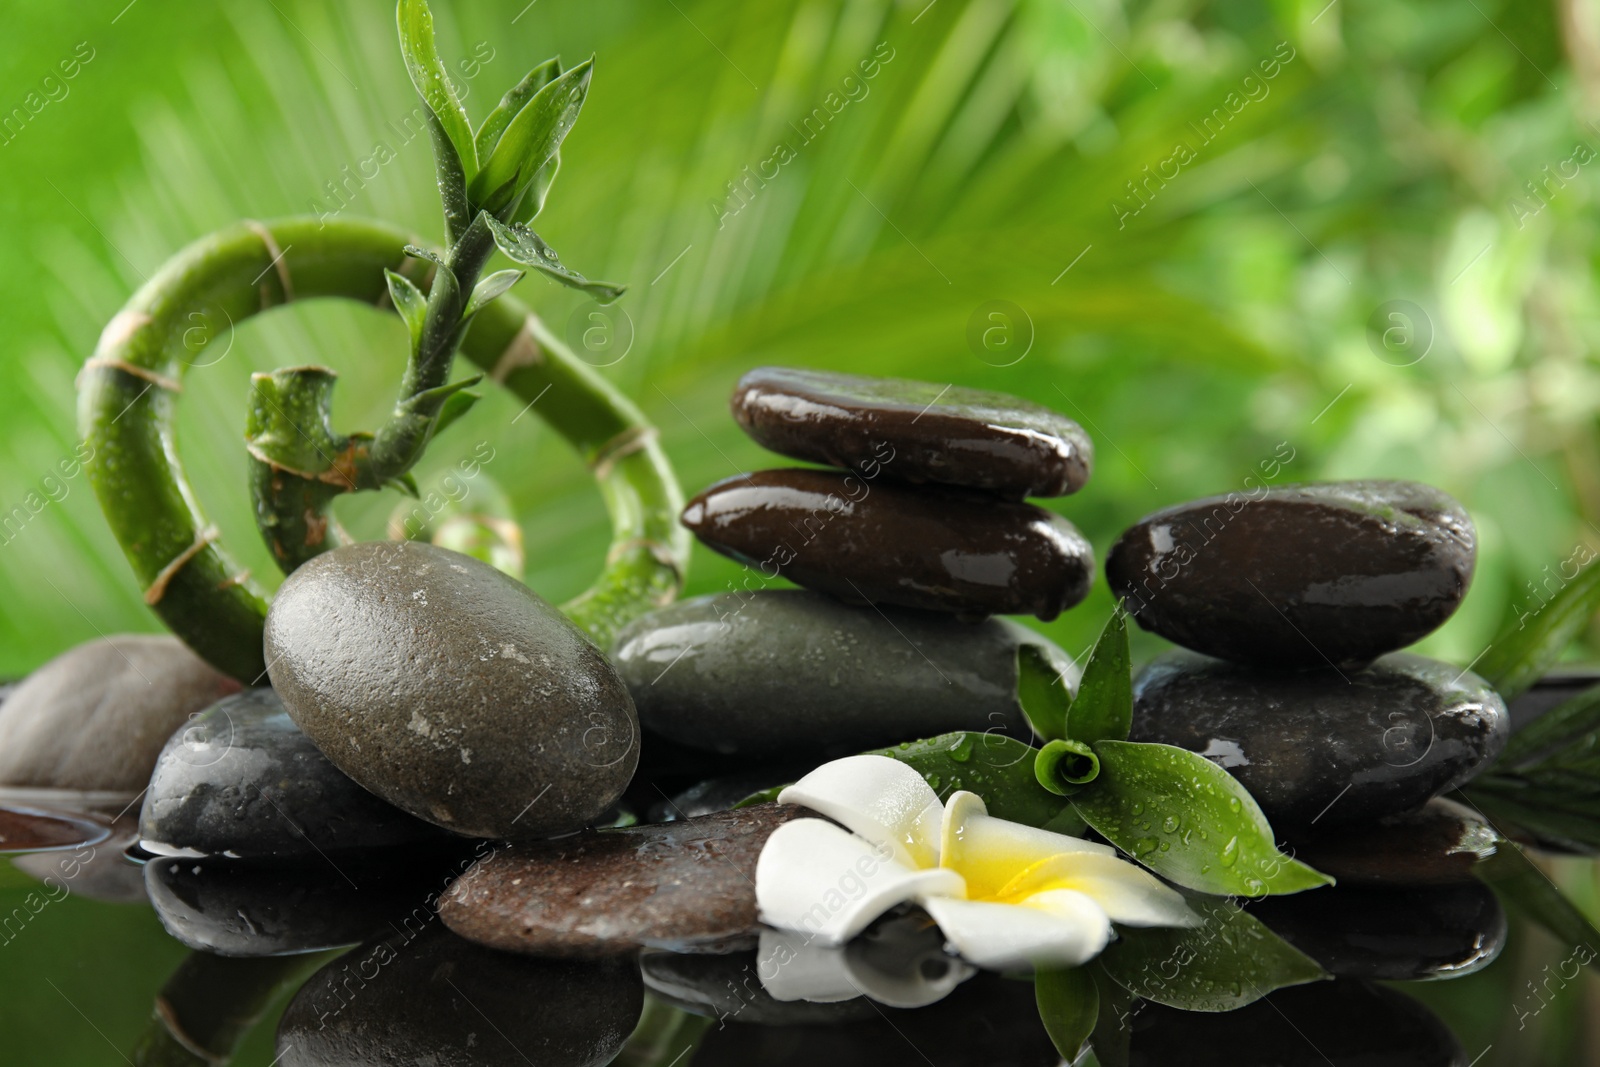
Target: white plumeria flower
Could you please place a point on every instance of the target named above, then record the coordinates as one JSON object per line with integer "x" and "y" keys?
{"x": 1005, "y": 896}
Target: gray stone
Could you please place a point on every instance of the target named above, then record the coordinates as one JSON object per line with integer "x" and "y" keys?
{"x": 680, "y": 885}
{"x": 1326, "y": 747}
{"x": 451, "y": 690}
{"x": 1314, "y": 575}
{"x": 792, "y": 673}
{"x": 433, "y": 1000}
{"x": 242, "y": 780}
{"x": 96, "y": 716}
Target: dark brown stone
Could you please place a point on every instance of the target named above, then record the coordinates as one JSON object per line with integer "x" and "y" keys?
{"x": 451, "y": 691}
{"x": 1306, "y": 575}
{"x": 678, "y": 885}
{"x": 915, "y": 431}
{"x": 1436, "y": 845}
{"x": 96, "y": 716}
{"x": 867, "y": 541}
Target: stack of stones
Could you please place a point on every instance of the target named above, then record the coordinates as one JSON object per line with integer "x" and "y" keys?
{"x": 914, "y": 537}
{"x": 1291, "y": 606}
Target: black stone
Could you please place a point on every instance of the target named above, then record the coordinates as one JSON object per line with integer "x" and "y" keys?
{"x": 242, "y": 780}
{"x": 863, "y": 541}
{"x": 1305, "y": 575}
{"x": 238, "y": 909}
{"x": 430, "y": 998}
{"x": 988, "y": 1021}
{"x": 789, "y": 673}
{"x": 451, "y": 690}
{"x": 915, "y": 431}
{"x": 1343, "y": 1023}
{"x": 1439, "y": 844}
{"x": 728, "y": 988}
{"x": 1391, "y": 933}
{"x": 1326, "y": 748}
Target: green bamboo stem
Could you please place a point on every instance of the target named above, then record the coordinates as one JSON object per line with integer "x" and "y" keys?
{"x": 127, "y": 404}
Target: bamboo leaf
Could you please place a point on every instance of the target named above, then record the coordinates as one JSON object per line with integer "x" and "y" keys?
{"x": 1043, "y": 693}
{"x": 409, "y": 302}
{"x": 998, "y": 769}
{"x": 1527, "y": 889}
{"x": 1189, "y": 821}
{"x": 513, "y": 102}
{"x": 522, "y": 245}
{"x": 432, "y": 81}
{"x": 530, "y": 140}
{"x": 493, "y": 286}
{"x": 1522, "y": 654}
{"x": 1103, "y": 708}
{"x": 1564, "y": 724}
{"x": 1229, "y": 961}
{"x": 1068, "y": 1007}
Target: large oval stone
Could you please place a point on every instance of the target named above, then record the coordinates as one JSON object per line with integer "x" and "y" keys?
{"x": 95, "y": 717}
{"x": 679, "y": 885}
{"x": 1391, "y": 933}
{"x": 451, "y": 690}
{"x": 876, "y": 542}
{"x": 430, "y": 999}
{"x": 243, "y": 780}
{"x": 1304, "y": 575}
{"x": 915, "y": 431}
{"x": 791, "y": 673}
{"x": 1438, "y": 844}
{"x": 1325, "y": 747}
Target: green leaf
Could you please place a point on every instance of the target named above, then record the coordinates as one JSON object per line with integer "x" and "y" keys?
{"x": 998, "y": 769}
{"x": 1522, "y": 654}
{"x": 418, "y": 252}
{"x": 510, "y": 104}
{"x": 455, "y": 405}
{"x": 433, "y": 82}
{"x": 1528, "y": 890}
{"x": 1566, "y": 818}
{"x": 533, "y": 199}
{"x": 1065, "y": 767}
{"x": 1189, "y": 821}
{"x": 494, "y": 285}
{"x": 1112, "y": 1034}
{"x": 1068, "y": 1007}
{"x": 1103, "y": 708}
{"x": 406, "y": 483}
{"x": 522, "y": 245}
{"x": 409, "y": 302}
{"x": 1229, "y": 961}
{"x": 1043, "y": 693}
{"x": 530, "y": 140}
{"x": 452, "y": 182}
{"x": 1569, "y": 722}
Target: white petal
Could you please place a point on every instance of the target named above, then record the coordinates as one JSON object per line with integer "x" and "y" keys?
{"x": 879, "y": 798}
{"x": 822, "y": 881}
{"x": 989, "y": 852}
{"x": 1131, "y": 895}
{"x": 902, "y": 963}
{"x": 793, "y": 966}
{"x": 1057, "y": 929}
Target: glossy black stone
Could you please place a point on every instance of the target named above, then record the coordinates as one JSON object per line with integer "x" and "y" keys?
{"x": 865, "y": 541}
{"x": 1307, "y": 575}
{"x": 789, "y": 673}
{"x": 242, "y": 780}
{"x": 1391, "y": 933}
{"x": 1344, "y": 1023}
{"x": 1439, "y": 844}
{"x": 238, "y": 909}
{"x": 1326, "y": 748}
{"x": 429, "y": 998}
{"x": 451, "y": 691}
{"x": 915, "y": 431}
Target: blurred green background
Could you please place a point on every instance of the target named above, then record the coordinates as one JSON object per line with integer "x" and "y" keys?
{"x": 1372, "y": 251}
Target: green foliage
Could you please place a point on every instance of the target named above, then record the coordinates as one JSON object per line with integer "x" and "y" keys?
{"x": 1068, "y": 1007}
{"x": 999, "y": 769}
{"x": 1230, "y": 960}
{"x": 530, "y": 140}
{"x": 1522, "y": 654}
{"x": 522, "y": 245}
{"x": 1042, "y": 692}
{"x": 1528, "y": 890}
{"x": 1103, "y": 708}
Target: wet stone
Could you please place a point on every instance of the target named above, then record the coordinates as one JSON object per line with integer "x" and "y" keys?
{"x": 727, "y": 987}
{"x": 864, "y": 541}
{"x": 720, "y": 794}
{"x": 1343, "y": 1022}
{"x": 786, "y": 673}
{"x": 427, "y": 997}
{"x": 451, "y": 691}
{"x": 1326, "y": 748}
{"x": 914, "y": 431}
{"x": 1439, "y": 844}
{"x": 1308, "y": 575}
{"x": 242, "y": 780}
{"x": 96, "y": 716}
{"x": 238, "y": 909}
{"x": 1391, "y": 933}
{"x": 680, "y": 885}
